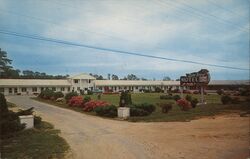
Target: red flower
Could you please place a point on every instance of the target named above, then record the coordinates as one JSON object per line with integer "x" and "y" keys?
{"x": 184, "y": 104}
{"x": 89, "y": 106}
{"x": 76, "y": 101}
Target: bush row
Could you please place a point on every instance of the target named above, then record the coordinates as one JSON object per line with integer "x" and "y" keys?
{"x": 49, "y": 94}
{"x": 169, "y": 97}
{"x": 143, "y": 109}
{"x": 225, "y": 99}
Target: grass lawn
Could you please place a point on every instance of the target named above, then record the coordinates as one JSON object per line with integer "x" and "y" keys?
{"x": 212, "y": 107}
{"x": 39, "y": 143}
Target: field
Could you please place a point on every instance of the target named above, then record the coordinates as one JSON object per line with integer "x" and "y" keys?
{"x": 213, "y": 107}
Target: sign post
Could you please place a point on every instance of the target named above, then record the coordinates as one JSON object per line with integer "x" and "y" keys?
{"x": 200, "y": 78}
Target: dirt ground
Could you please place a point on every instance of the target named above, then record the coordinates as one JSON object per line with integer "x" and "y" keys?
{"x": 90, "y": 137}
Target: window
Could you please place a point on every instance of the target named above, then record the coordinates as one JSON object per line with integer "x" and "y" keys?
{"x": 34, "y": 89}
{"x": 24, "y": 89}
{"x": 53, "y": 88}
{"x": 89, "y": 81}
{"x": 62, "y": 89}
{"x": 10, "y": 90}
{"x": 15, "y": 90}
{"x": 76, "y": 81}
{"x": 2, "y": 90}
{"x": 68, "y": 89}
{"x": 42, "y": 88}
{"x": 136, "y": 87}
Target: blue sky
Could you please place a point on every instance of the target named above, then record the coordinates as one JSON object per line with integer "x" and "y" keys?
{"x": 208, "y": 31}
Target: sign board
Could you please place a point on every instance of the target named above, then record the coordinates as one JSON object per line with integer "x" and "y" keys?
{"x": 201, "y": 77}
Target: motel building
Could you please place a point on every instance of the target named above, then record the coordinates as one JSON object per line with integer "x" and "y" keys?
{"x": 84, "y": 82}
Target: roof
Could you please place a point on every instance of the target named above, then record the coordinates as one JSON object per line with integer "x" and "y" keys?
{"x": 159, "y": 83}
{"x": 229, "y": 82}
{"x": 82, "y": 76}
{"x": 34, "y": 82}
{"x": 134, "y": 83}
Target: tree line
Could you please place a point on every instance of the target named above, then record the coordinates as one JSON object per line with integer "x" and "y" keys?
{"x": 7, "y": 71}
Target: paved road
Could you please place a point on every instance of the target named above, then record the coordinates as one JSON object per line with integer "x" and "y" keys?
{"x": 88, "y": 136}
{"x": 93, "y": 137}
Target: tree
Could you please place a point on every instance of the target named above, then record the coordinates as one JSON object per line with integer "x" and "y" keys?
{"x": 132, "y": 77}
{"x": 115, "y": 77}
{"x": 144, "y": 79}
{"x": 109, "y": 76}
{"x": 6, "y": 70}
{"x": 166, "y": 78}
{"x": 4, "y": 60}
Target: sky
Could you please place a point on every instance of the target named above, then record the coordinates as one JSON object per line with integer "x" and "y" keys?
{"x": 205, "y": 31}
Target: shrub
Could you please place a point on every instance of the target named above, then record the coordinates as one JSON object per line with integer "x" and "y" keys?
{"x": 138, "y": 112}
{"x": 147, "y": 107}
{"x": 125, "y": 99}
{"x": 87, "y": 99}
{"x": 188, "y": 98}
{"x": 176, "y": 97}
{"x": 58, "y": 95}
{"x": 9, "y": 121}
{"x": 194, "y": 102}
{"x": 225, "y": 99}
{"x": 141, "y": 109}
{"x": 184, "y": 104}
{"x": 165, "y": 107}
{"x": 76, "y": 101}
{"x": 3, "y": 104}
{"x": 46, "y": 94}
{"x": 107, "y": 111}
{"x": 244, "y": 92}
{"x": 220, "y": 92}
{"x": 235, "y": 100}
{"x": 91, "y": 105}
{"x": 68, "y": 96}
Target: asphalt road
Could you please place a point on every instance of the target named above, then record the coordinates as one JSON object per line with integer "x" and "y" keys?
{"x": 90, "y": 137}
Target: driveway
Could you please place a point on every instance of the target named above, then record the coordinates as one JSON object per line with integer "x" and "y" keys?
{"x": 93, "y": 137}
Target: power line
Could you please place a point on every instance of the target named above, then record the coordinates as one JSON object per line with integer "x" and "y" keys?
{"x": 223, "y": 8}
{"x": 37, "y": 37}
{"x": 201, "y": 14}
{"x": 213, "y": 16}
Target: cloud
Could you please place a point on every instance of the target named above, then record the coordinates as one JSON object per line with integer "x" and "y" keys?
{"x": 169, "y": 29}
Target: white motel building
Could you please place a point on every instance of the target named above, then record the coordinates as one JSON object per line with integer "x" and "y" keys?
{"x": 84, "y": 82}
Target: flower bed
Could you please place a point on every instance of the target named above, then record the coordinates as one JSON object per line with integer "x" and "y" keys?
{"x": 184, "y": 104}
{"x": 76, "y": 101}
{"x": 91, "y": 105}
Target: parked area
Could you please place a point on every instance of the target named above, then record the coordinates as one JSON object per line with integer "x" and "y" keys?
{"x": 218, "y": 137}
